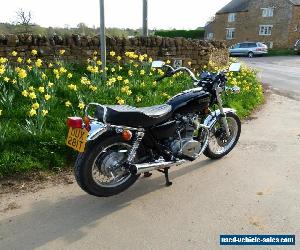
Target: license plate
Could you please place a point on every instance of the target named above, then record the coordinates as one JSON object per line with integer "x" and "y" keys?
{"x": 77, "y": 139}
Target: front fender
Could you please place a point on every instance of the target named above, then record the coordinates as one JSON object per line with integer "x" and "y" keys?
{"x": 214, "y": 116}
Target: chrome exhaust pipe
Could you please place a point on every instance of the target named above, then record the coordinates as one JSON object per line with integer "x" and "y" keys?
{"x": 147, "y": 167}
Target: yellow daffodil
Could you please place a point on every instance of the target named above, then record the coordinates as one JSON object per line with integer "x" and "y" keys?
{"x": 69, "y": 75}
{"x": 3, "y": 60}
{"x": 1, "y": 112}
{"x": 119, "y": 78}
{"x": 31, "y": 88}
{"x": 42, "y": 89}
{"x": 128, "y": 92}
{"x": 14, "y": 81}
{"x": 72, "y": 87}
{"x": 113, "y": 69}
{"x": 124, "y": 89}
{"x": 154, "y": 83}
{"x": 121, "y": 102}
{"x": 62, "y": 70}
{"x": 47, "y": 97}
{"x": 120, "y": 67}
{"x": 93, "y": 88}
{"x": 150, "y": 60}
{"x": 112, "y": 53}
{"x": 190, "y": 63}
{"x": 143, "y": 84}
{"x": 81, "y": 105}
{"x": 25, "y": 93}
{"x": 138, "y": 99}
{"x": 44, "y": 76}
{"x": 62, "y": 51}
{"x": 130, "y": 72}
{"x": 44, "y": 112}
{"x": 50, "y": 65}
{"x": 19, "y": 60}
{"x": 32, "y": 112}
{"x": 85, "y": 81}
{"x": 6, "y": 79}
{"x": 168, "y": 61}
{"x": 34, "y": 52}
{"x": 68, "y": 104}
{"x": 28, "y": 61}
{"x": 32, "y": 95}
{"x": 38, "y": 63}
{"x": 95, "y": 53}
{"x": 99, "y": 62}
{"x": 35, "y": 106}
{"x": 119, "y": 58}
{"x": 142, "y": 72}
{"x": 50, "y": 84}
{"x": 126, "y": 81}
{"x": 22, "y": 73}
{"x": 14, "y": 53}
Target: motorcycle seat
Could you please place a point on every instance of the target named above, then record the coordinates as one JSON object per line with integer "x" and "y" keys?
{"x": 124, "y": 115}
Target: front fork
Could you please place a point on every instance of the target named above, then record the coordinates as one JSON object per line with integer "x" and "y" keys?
{"x": 223, "y": 115}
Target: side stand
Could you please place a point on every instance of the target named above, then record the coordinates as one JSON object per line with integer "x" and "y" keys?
{"x": 166, "y": 172}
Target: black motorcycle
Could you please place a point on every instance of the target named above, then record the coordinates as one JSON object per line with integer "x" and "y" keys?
{"x": 119, "y": 143}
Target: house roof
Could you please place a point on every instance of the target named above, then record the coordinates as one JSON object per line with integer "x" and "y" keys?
{"x": 236, "y": 6}
{"x": 295, "y": 2}
{"x": 242, "y": 5}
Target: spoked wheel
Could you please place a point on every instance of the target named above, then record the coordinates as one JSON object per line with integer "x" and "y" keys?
{"x": 219, "y": 143}
{"x": 100, "y": 170}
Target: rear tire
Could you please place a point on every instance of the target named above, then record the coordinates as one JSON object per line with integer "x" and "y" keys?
{"x": 213, "y": 155}
{"x": 85, "y": 165}
{"x": 250, "y": 54}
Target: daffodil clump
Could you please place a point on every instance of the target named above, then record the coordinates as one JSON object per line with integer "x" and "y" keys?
{"x": 36, "y": 97}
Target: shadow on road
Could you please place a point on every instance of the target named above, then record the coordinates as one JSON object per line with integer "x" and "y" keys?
{"x": 48, "y": 221}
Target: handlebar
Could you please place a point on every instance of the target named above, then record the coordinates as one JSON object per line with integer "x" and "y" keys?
{"x": 171, "y": 71}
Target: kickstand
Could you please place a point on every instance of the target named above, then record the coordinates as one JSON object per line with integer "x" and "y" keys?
{"x": 166, "y": 172}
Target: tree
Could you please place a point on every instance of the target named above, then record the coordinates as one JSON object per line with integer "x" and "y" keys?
{"x": 24, "y": 20}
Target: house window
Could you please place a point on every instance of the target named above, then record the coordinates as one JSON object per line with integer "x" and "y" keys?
{"x": 231, "y": 17}
{"x": 267, "y": 12}
{"x": 230, "y": 33}
{"x": 210, "y": 36}
{"x": 265, "y": 30}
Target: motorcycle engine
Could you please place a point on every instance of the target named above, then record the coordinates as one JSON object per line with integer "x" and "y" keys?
{"x": 185, "y": 144}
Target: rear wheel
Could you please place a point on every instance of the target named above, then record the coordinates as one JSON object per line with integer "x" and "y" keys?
{"x": 250, "y": 54}
{"x": 100, "y": 172}
{"x": 219, "y": 143}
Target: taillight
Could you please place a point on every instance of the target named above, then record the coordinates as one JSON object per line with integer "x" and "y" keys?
{"x": 74, "y": 122}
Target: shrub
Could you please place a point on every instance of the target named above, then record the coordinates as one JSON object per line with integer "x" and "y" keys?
{"x": 194, "y": 34}
{"x": 36, "y": 97}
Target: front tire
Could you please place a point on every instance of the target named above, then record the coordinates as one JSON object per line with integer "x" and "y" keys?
{"x": 104, "y": 157}
{"x": 219, "y": 138}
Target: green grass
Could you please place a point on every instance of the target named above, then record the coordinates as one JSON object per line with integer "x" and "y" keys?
{"x": 37, "y": 142}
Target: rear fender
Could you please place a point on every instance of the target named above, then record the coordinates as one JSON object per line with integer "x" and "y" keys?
{"x": 211, "y": 120}
{"x": 97, "y": 129}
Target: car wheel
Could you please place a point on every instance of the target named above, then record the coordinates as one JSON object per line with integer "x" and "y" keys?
{"x": 250, "y": 54}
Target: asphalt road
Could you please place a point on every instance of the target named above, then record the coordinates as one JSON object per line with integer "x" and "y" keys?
{"x": 254, "y": 190}
{"x": 281, "y": 72}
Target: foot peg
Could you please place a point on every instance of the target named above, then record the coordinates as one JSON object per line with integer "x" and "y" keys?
{"x": 166, "y": 172}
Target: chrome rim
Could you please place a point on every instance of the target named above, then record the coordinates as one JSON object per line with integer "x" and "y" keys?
{"x": 219, "y": 143}
{"x": 108, "y": 169}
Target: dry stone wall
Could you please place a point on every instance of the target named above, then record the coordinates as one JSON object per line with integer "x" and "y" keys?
{"x": 79, "y": 48}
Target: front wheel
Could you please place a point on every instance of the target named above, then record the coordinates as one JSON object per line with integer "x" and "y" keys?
{"x": 100, "y": 172}
{"x": 219, "y": 143}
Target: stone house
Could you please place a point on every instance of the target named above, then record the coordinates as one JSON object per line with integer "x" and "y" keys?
{"x": 274, "y": 22}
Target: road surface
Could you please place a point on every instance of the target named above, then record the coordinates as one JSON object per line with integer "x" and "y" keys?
{"x": 281, "y": 72}
{"x": 254, "y": 190}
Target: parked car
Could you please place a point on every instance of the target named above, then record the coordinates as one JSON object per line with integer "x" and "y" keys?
{"x": 249, "y": 49}
{"x": 297, "y": 47}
